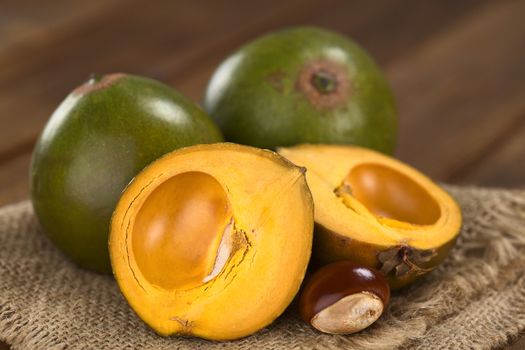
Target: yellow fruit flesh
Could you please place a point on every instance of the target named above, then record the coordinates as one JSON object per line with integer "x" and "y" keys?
{"x": 376, "y": 199}
{"x": 213, "y": 240}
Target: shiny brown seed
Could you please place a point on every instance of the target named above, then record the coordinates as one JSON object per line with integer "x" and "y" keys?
{"x": 344, "y": 298}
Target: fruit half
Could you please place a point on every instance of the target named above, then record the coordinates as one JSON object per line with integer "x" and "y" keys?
{"x": 377, "y": 211}
{"x": 213, "y": 240}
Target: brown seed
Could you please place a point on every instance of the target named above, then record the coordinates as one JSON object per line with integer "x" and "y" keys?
{"x": 344, "y": 298}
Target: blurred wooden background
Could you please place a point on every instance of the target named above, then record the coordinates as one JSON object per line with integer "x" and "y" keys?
{"x": 457, "y": 68}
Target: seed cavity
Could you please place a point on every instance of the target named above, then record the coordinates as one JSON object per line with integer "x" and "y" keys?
{"x": 183, "y": 234}
{"x": 388, "y": 193}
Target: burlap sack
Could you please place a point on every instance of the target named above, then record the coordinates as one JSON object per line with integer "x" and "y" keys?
{"x": 475, "y": 300}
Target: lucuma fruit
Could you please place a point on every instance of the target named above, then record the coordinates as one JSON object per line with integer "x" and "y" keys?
{"x": 377, "y": 211}
{"x": 101, "y": 136}
{"x": 302, "y": 85}
{"x": 213, "y": 240}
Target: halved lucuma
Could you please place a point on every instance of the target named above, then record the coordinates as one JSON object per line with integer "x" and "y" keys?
{"x": 213, "y": 240}
{"x": 377, "y": 211}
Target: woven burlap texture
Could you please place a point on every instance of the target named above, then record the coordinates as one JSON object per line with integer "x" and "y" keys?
{"x": 475, "y": 300}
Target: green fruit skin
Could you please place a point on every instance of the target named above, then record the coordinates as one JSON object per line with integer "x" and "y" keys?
{"x": 93, "y": 145}
{"x": 253, "y": 95}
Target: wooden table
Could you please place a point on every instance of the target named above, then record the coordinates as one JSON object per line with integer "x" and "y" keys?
{"x": 457, "y": 68}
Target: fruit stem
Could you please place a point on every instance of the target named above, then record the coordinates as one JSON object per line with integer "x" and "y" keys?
{"x": 324, "y": 82}
{"x": 94, "y": 78}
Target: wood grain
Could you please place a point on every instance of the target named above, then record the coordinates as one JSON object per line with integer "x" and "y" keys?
{"x": 105, "y": 45}
{"x": 15, "y": 182}
{"x": 505, "y": 165}
{"x": 185, "y": 60}
{"x": 456, "y": 68}
{"x": 461, "y": 93}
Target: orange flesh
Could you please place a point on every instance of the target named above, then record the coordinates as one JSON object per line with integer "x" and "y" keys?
{"x": 388, "y": 193}
{"x": 178, "y": 230}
